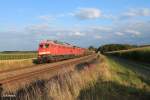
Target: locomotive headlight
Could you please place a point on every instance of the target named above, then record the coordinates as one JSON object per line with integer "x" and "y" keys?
{"x": 47, "y": 52}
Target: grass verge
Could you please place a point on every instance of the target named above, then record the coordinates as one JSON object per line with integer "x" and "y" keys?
{"x": 125, "y": 84}
{"x": 138, "y": 54}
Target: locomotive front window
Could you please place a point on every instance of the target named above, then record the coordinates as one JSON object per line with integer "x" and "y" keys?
{"x": 41, "y": 46}
{"x": 46, "y": 45}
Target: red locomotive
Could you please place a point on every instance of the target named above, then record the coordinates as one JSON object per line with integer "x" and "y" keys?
{"x": 53, "y": 50}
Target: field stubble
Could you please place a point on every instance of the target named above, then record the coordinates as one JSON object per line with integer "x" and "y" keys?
{"x": 13, "y": 64}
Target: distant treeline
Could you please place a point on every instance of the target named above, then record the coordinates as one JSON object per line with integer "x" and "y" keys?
{"x": 7, "y": 52}
{"x": 143, "y": 45}
{"x": 115, "y": 47}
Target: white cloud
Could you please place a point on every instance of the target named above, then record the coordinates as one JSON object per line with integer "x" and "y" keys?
{"x": 100, "y": 28}
{"x": 119, "y": 33}
{"x": 97, "y": 37}
{"x": 38, "y": 27}
{"x": 137, "y": 12}
{"x": 133, "y": 32}
{"x": 78, "y": 34}
{"x": 47, "y": 17}
{"x": 87, "y": 13}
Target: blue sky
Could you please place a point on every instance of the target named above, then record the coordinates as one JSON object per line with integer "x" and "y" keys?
{"x": 23, "y": 23}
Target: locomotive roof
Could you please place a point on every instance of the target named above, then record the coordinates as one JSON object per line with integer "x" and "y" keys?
{"x": 58, "y": 42}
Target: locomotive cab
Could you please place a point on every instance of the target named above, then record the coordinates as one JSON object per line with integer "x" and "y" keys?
{"x": 43, "y": 49}
{"x": 44, "y": 52}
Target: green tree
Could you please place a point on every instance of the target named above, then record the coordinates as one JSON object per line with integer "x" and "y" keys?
{"x": 92, "y": 48}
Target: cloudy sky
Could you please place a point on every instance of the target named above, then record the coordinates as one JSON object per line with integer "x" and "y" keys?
{"x": 23, "y": 23}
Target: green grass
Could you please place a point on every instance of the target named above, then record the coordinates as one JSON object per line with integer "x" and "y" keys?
{"x": 139, "y": 54}
{"x": 122, "y": 72}
{"x": 125, "y": 84}
{"x": 11, "y": 56}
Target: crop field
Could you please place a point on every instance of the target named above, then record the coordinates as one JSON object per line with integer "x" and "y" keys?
{"x": 13, "y": 64}
{"x": 12, "y": 60}
{"x": 138, "y": 54}
{"x": 12, "y": 56}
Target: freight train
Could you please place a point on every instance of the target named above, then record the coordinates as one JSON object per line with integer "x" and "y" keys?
{"x": 49, "y": 51}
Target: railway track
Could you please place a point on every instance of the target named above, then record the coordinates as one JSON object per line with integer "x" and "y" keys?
{"x": 9, "y": 77}
{"x": 25, "y": 67}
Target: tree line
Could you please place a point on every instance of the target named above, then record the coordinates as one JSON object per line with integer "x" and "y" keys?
{"x": 112, "y": 47}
